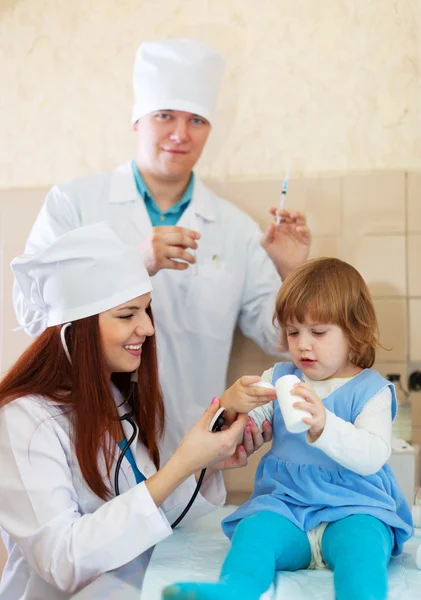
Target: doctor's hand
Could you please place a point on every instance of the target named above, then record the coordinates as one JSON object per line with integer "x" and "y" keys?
{"x": 201, "y": 448}
{"x": 166, "y": 244}
{"x": 287, "y": 244}
{"x": 242, "y": 396}
{"x": 253, "y": 439}
{"x": 198, "y": 449}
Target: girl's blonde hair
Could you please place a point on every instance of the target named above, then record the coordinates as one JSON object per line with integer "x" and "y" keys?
{"x": 328, "y": 290}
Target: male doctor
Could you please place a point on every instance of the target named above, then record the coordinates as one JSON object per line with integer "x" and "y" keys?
{"x": 212, "y": 268}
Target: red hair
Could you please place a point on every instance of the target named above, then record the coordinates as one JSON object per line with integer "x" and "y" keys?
{"x": 43, "y": 369}
{"x": 329, "y": 290}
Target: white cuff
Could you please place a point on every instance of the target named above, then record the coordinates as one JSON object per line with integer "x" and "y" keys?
{"x": 326, "y": 439}
{"x": 213, "y": 490}
{"x": 157, "y": 521}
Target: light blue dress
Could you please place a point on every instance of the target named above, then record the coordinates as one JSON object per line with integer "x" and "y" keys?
{"x": 307, "y": 487}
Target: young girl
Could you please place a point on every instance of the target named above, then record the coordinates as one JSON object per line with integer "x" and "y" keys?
{"x": 325, "y": 497}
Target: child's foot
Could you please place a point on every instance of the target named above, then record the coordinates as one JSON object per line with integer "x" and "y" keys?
{"x": 208, "y": 591}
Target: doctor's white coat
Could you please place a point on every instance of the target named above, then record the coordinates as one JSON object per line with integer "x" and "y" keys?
{"x": 195, "y": 310}
{"x": 58, "y": 533}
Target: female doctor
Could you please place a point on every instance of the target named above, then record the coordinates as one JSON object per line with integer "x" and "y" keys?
{"x": 68, "y": 511}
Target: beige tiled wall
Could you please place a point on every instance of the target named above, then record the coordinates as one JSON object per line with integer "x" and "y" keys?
{"x": 414, "y": 290}
{"x": 18, "y": 209}
{"x": 372, "y": 221}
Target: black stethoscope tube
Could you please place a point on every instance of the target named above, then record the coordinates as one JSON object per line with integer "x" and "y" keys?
{"x": 131, "y": 400}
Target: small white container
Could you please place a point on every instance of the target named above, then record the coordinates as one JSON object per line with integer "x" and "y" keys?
{"x": 416, "y": 516}
{"x": 263, "y": 384}
{"x": 405, "y": 462}
{"x": 293, "y": 417}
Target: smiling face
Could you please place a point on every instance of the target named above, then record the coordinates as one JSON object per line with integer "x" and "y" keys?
{"x": 169, "y": 143}
{"x": 321, "y": 351}
{"x": 123, "y": 330}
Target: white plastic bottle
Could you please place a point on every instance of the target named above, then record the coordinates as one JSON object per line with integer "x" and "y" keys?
{"x": 293, "y": 417}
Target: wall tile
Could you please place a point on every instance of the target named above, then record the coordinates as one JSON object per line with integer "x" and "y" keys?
{"x": 20, "y": 208}
{"x": 414, "y": 264}
{"x": 320, "y": 200}
{"x": 247, "y": 358}
{"x": 416, "y": 435}
{"x": 254, "y": 197}
{"x": 414, "y": 202}
{"x": 13, "y": 342}
{"x": 386, "y": 368}
{"x": 415, "y": 330}
{"x": 374, "y": 203}
{"x": 213, "y": 184}
{"x": 326, "y": 246}
{"x": 399, "y": 368}
{"x": 392, "y": 319}
{"x": 416, "y": 409}
{"x": 381, "y": 260}
{"x": 1, "y": 292}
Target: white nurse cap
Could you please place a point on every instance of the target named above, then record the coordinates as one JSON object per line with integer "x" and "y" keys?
{"x": 83, "y": 273}
{"x": 177, "y": 74}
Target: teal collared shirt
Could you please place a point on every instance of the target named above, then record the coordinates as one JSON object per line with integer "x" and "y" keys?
{"x": 156, "y": 215}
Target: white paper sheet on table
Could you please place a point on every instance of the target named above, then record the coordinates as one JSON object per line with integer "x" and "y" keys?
{"x": 196, "y": 552}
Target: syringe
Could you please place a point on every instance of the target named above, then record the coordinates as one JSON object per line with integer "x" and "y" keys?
{"x": 283, "y": 195}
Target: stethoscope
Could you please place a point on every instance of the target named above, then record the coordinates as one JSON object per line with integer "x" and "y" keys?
{"x": 215, "y": 425}
{"x": 131, "y": 399}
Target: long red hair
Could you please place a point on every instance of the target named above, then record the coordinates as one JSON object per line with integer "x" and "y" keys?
{"x": 43, "y": 369}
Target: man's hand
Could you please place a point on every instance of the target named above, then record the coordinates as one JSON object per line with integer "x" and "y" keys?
{"x": 166, "y": 244}
{"x": 287, "y": 244}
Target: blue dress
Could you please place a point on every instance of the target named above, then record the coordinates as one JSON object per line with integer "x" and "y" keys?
{"x": 307, "y": 487}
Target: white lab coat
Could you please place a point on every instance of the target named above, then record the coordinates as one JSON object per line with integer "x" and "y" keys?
{"x": 58, "y": 533}
{"x": 195, "y": 314}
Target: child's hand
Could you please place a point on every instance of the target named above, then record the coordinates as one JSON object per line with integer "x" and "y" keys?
{"x": 252, "y": 441}
{"x": 314, "y": 406}
{"x": 242, "y": 396}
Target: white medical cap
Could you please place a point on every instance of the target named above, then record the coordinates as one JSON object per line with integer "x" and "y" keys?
{"x": 83, "y": 273}
{"x": 177, "y": 74}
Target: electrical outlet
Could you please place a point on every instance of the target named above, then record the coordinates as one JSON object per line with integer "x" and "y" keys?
{"x": 393, "y": 377}
{"x": 413, "y": 369}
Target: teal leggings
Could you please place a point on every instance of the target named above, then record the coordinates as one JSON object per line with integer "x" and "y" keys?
{"x": 356, "y": 548}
